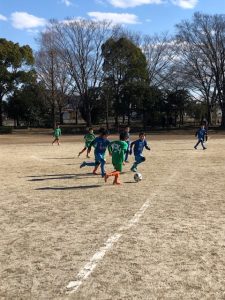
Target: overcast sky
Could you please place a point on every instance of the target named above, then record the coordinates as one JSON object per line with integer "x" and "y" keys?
{"x": 21, "y": 20}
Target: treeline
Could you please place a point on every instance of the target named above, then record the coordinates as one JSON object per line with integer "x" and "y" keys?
{"x": 105, "y": 72}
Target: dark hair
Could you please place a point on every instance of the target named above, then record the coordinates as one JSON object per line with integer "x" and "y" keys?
{"x": 103, "y": 131}
{"x": 123, "y": 136}
{"x": 141, "y": 133}
{"x": 89, "y": 129}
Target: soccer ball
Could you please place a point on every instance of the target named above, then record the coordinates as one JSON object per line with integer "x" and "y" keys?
{"x": 137, "y": 177}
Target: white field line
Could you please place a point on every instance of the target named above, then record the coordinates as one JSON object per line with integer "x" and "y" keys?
{"x": 86, "y": 271}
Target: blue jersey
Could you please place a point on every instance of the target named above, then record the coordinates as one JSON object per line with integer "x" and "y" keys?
{"x": 139, "y": 145}
{"x": 201, "y": 133}
{"x": 100, "y": 145}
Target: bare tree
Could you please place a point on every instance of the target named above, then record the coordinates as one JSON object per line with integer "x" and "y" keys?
{"x": 202, "y": 43}
{"x": 160, "y": 53}
{"x": 79, "y": 44}
{"x": 53, "y": 73}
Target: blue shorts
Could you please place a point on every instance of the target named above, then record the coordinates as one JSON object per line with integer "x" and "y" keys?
{"x": 99, "y": 158}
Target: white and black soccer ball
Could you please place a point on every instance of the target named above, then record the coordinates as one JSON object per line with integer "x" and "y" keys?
{"x": 137, "y": 177}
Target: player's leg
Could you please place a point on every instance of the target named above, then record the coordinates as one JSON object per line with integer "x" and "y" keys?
{"x": 127, "y": 152}
{"x": 82, "y": 151}
{"x": 198, "y": 142}
{"x": 203, "y": 147}
{"x": 88, "y": 151}
{"x": 116, "y": 174}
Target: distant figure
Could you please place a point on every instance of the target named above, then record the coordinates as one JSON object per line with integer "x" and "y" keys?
{"x": 200, "y": 133}
{"x": 118, "y": 150}
{"x": 56, "y": 134}
{"x": 88, "y": 138}
{"x": 127, "y": 131}
{"x": 138, "y": 145}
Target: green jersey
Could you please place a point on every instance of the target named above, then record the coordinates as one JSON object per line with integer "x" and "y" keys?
{"x": 89, "y": 137}
{"x": 118, "y": 150}
{"x": 57, "y": 132}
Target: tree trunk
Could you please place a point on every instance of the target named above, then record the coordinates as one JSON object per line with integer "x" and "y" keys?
{"x": 107, "y": 114}
{"x": 223, "y": 117}
{"x": 76, "y": 116}
{"x": 1, "y": 119}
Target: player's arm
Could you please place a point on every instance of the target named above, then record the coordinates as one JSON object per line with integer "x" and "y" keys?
{"x": 93, "y": 142}
{"x": 147, "y": 146}
{"x": 110, "y": 149}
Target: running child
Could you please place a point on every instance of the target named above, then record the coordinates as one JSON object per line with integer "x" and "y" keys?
{"x": 88, "y": 138}
{"x": 56, "y": 134}
{"x": 117, "y": 150}
{"x": 100, "y": 143}
{"x": 138, "y": 145}
{"x": 201, "y": 133}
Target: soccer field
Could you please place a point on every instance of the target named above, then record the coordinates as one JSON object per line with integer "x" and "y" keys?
{"x": 66, "y": 234}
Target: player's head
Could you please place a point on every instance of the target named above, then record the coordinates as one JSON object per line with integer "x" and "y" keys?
{"x": 103, "y": 133}
{"x": 124, "y": 136}
{"x": 142, "y": 136}
{"x": 127, "y": 129}
{"x": 203, "y": 126}
{"x": 90, "y": 130}
{"x": 57, "y": 125}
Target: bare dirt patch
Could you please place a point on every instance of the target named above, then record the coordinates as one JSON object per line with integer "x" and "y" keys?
{"x": 54, "y": 216}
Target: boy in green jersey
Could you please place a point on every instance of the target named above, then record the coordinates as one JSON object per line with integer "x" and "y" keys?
{"x": 56, "y": 134}
{"x": 117, "y": 150}
{"x": 89, "y": 137}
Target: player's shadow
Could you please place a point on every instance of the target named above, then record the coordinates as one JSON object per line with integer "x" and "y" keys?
{"x": 47, "y": 177}
{"x": 170, "y": 150}
{"x": 82, "y": 187}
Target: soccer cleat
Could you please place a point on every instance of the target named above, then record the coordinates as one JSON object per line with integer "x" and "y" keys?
{"x": 195, "y": 148}
{"x": 88, "y": 156}
{"x": 133, "y": 169}
{"x": 83, "y": 164}
{"x": 94, "y": 173}
{"x": 204, "y": 148}
{"x": 116, "y": 182}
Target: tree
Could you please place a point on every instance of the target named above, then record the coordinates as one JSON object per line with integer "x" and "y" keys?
{"x": 15, "y": 68}
{"x": 27, "y": 104}
{"x": 202, "y": 42}
{"x": 79, "y": 44}
{"x": 125, "y": 71}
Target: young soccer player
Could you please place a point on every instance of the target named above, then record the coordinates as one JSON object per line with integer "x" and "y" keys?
{"x": 100, "y": 143}
{"x": 200, "y": 133}
{"x": 117, "y": 150}
{"x": 56, "y": 134}
{"x": 127, "y": 131}
{"x": 89, "y": 137}
{"x": 138, "y": 145}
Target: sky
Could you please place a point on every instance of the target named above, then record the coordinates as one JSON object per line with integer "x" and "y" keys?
{"x": 22, "y": 20}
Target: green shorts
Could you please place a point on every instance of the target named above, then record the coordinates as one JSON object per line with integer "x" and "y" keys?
{"x": 118, "y": 167}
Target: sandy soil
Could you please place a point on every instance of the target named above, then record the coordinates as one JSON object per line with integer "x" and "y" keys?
{"x": 54, "y": 216}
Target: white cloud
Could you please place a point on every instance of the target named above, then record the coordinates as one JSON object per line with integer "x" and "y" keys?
{"x": 3, "y": 18}
{"x": 23, "y": 20}
{"x": 186, "y": 4}
{"x": 114, "y": 17}
{"x": 67, "y": 2}
{"x": 133, "y": 3}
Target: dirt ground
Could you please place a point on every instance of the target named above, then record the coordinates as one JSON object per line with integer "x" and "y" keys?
{"x": 55, "y": 216}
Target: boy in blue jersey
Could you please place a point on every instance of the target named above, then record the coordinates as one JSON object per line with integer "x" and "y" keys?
{"x": 138, "y": 145}
{"x": 201, "y": 133}
{"x": 100, "y": 143}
